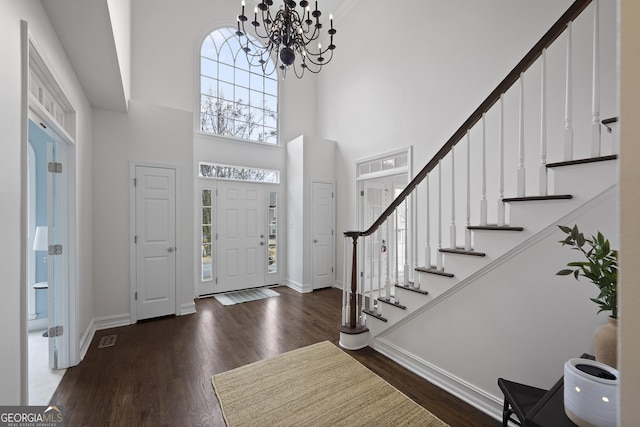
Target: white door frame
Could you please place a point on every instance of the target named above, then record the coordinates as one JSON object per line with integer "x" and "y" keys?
{"x": 66, "y": 307}
{"x": 209, "y": 287}
{"x": 383, "y": 173}
{"x": 133, "y": 317}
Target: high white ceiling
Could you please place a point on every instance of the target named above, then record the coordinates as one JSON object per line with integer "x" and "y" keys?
{"x": 85, "y": 30}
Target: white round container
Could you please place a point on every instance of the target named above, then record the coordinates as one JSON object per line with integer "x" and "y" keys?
{"x": 591, "y": 393}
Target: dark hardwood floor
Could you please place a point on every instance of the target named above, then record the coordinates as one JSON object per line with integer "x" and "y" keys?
{"x": 159, "y": 371}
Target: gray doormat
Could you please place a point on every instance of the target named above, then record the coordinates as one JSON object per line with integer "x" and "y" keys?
{"x": 247, "y": 295}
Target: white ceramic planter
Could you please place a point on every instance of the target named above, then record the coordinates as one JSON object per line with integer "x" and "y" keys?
{"x": 591, "y": 393}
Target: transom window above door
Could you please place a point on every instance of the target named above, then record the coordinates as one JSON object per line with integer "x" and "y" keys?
{"x": 235, "y": 100}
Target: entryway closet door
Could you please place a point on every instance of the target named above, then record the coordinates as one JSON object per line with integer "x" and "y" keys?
{"x": 155, "y": 237}
{"x": 322, "y": 233}
{"x": 241, "y": 235}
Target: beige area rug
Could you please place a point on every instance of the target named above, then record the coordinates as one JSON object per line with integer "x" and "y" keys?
{"x": 318, "y": 385}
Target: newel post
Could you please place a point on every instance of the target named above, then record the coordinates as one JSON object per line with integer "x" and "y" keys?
{"x": 353, "y": 295}
{"x": 353, "y": 336}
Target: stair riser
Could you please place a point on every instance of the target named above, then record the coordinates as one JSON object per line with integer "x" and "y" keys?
{"x": 434, "y": 283}
{"x": 392, "y": 314}
{"x": 539, "y": 214}
{"x": 496, "y": 243}
{"x": 464, "y": 265}
{"x": 583, "y": 181}
{"x": 412, "y": 300}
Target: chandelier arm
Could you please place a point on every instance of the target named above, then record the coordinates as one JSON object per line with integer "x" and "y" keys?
{"x": 311, "y": 58}
{"x": 295, "y": 70}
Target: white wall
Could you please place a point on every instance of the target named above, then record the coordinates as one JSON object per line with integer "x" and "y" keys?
{"x": 629, "y": 296}
{"x": 165, "y": 72}
{"x": 166, "y": 54}
{"x": 12, "y": 303}
{"x": 147, "y": 134}
{"x": 308, "y": 159}
{"x": 295, "y": 212}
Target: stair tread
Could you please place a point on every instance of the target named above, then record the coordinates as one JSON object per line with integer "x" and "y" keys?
{"x": 374, "y": 314}
{"x": 495, "y": 227}
{"x": 535, "y": 198}
{"x": 582, "y": 161}
{"x": 462, "y": 251}
{"x": 419, "y": 291}
{"x": 393, "y": 303}
{"x": 433, "y": 270}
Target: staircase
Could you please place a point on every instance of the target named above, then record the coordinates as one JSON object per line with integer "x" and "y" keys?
{"x": 471, "y": 295}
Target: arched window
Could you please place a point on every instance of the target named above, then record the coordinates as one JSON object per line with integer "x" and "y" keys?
{"x": 235, "y": 99}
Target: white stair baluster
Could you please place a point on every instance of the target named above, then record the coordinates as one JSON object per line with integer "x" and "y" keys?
{"x": 387, "y": 283}
{"x": 501, "y": 220}
{"x": 406, "y": 242}
{"x": 568, "y": 114}
{"x": 595, "y": 125}
{"x": 370, "y": 254}
{"x": 378, "y": 249}
{"x": 396, "y": 238}
{"x": 427, "y": 248}
{"x": 452, "y": 226}
{"x": 414, "y": 237}
{"x": 483, "y": 196}
{"x": 543, "y": 126}
{"x": 467, "y": 232}
{"x": 521, "y": 169}
{"x": 439, "y": 263}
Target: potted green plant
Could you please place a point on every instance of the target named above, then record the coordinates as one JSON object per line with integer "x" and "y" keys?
{"x": 600, "y": 267}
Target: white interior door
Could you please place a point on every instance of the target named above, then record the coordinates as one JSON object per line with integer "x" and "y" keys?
{"x": 155, "y": 230}
{"x": 322, "y": 226}
{"x": 58, "y": 253}
{"x": 241, "y": 223}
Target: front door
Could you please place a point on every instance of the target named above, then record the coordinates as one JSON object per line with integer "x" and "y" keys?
{"x": 242, "y": 241}
{"x": 155, "y": 237}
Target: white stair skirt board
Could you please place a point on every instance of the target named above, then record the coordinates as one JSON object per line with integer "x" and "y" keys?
{"x": 236, "y": 297}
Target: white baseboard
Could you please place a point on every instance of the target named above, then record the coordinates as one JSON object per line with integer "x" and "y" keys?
{"x": 114, "y": 321}
{"x": 106, "y": 322}
{"x": 490, "y": 405}
{"x": 188, "y": 308}
{"x": 85, "y": 341}
{"x": 299, "y": 287}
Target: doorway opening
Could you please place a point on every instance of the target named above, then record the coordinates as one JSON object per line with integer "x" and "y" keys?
{"x": 238, "y": 228}
{"x": 387, "y": 251}
{"x": 50, "y": 229}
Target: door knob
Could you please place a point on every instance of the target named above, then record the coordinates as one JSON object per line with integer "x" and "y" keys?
{"x": 261, "y": 243}
{"x": 315, "y": 240}
{"x": 170, "y": 249}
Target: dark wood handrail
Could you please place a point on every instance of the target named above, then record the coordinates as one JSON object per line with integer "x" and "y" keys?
{"x": 547, "y": 39}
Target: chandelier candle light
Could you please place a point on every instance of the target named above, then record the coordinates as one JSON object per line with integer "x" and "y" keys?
{"x": 287, "y": 35}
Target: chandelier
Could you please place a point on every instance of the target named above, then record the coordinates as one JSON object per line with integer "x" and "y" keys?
{"x": 287, "y": 35}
